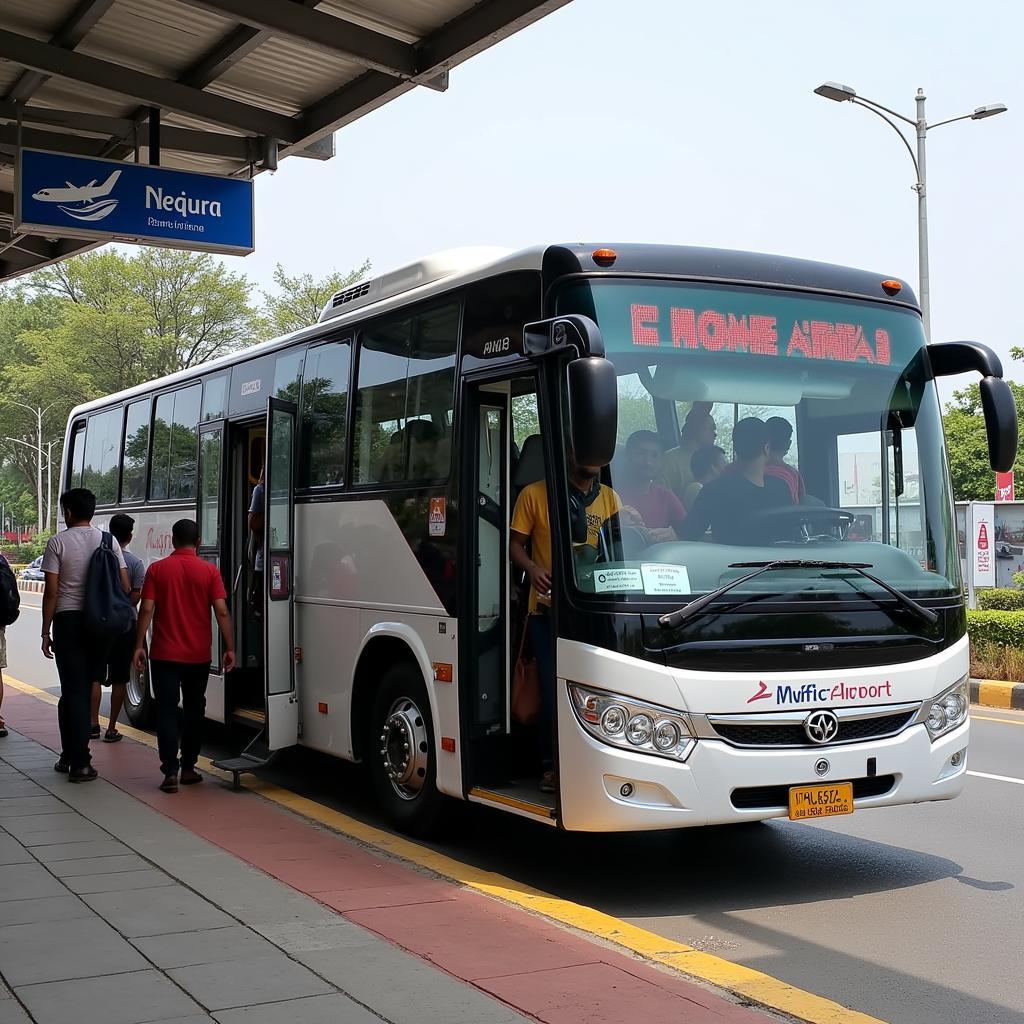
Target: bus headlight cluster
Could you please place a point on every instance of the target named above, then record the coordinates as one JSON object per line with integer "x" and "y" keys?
{"x": 949, "y": 710}
{"x": 632, "y": 724}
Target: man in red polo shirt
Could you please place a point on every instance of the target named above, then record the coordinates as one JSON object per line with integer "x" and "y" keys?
{"x": 177, "y": 597}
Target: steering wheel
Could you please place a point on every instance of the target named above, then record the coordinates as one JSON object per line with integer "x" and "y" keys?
{"x": 807, "y": 524}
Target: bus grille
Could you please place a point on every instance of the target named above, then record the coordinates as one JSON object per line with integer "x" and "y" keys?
{"x": 760, "y": 798}
{"x": 791, "y": 734}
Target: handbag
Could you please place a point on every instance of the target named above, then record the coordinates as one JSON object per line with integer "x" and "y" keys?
{"x": 525, "y": 686}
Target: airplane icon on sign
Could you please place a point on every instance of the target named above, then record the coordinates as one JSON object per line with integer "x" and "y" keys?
{"x": 92, "y": 197}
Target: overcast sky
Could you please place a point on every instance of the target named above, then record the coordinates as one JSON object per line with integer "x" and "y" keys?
{"x": 673, "y": 121}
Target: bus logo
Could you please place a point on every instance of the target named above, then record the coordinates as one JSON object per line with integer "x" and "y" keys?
{"x": 763, "y": 693}
{"x": 821, "y": 726}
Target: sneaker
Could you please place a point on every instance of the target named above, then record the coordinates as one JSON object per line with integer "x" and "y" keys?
{"x": 62, "y": 766}
{"x": 189, "y": 777}
{"x": 112, "y": 736}
{"x": 170, "y": 784}
{"x": 83, "y": 774}
{"x": 95, "y": 734}
{"x": 548, "y": 782}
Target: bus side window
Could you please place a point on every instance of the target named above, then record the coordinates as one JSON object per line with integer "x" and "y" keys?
{"x": 136, "y": 451}
{"x": 102, "y": 451}
{"x": 77, "y": 460}
{"x": 324, "y": 415}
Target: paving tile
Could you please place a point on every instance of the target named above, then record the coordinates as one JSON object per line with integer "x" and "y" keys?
{"x": 79, "y": 832}
{"x": 48, "y": 908}
{"x": 473, "y": 940}
{"x": 118, "y": 881}
{"x": 600, "y": 993}
{"x": 85, "y": 948}
{"x": 128, "y": 999}
{"x": 157, "y": 911}
{"x": 11, "y": 1012}
{"x": 425, "y": 891}
{"x": 22, "y": 806}
{"x": 99, "y": 865}
{"x": 332, "y": 871}
{"x": 12, "y": 852}
{"x": 304, "y": 935}
{"x": 78, "y": 851}
{"x": 370, "y": 973}
{"x": 332, "y": 1009}
{"x": 264, "y": 979}
{"x": 28, "y": 881}
{"x": 209, "y": 946}
{"x": 18, "y": 786}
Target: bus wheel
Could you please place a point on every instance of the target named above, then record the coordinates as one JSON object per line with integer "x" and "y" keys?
{"x": 401, "y": 752}
{"x": 138, "y": 704}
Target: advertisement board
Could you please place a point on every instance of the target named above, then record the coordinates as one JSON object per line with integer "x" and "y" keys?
{"x": 1004, "y": 486}
{"x": 111, "y": 201}
{"x": 982, "y": 539}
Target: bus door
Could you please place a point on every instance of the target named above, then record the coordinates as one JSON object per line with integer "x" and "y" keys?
{"x": 282, "y": 703}
{"x": 210, "y": 518}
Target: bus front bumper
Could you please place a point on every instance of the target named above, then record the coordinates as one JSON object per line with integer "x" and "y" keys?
{"x": 607, "y": 789}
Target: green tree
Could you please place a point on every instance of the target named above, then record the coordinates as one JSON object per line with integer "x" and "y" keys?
{"x": 297, "y": 301}
{"x": 967, "y": 444}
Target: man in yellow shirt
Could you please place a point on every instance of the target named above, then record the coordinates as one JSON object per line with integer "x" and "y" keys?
{"x": 699, "y": 431}
{"x": 591, "y": 505}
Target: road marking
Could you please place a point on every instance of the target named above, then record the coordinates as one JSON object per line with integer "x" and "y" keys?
{"x": 998, "y": 778}
{"x": 1005, "y": 721}
{"x": 744, "y": 982}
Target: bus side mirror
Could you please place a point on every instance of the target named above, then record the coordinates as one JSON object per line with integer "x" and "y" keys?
{"x": 593, "y": 409}
{"x": 997, "y": 402}
{"x": 1000, "y": 422}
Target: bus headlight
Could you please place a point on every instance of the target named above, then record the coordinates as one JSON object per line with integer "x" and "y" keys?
{"x": 632, "y": 724}
{"x": 947, "y": 711}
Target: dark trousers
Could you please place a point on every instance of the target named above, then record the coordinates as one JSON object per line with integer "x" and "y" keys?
{"x": 81, "y": 661}
{"x": 179, "y": 726}
{"x": 544, "y": 652}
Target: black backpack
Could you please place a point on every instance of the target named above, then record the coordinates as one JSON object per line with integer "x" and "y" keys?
{"x": 107, "y": 610}
{"x": 10, "y": 599}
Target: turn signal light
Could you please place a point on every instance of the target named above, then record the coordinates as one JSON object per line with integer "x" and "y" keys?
{"x": 604, "y": 257}
{"x": 448, "y": 744}
{"x": 442, "y": 672}
{"x": 891, "y": 287}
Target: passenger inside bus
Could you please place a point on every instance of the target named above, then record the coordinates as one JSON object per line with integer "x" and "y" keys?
{"x": 733, "y": 505}
{"x": 591, "y": 505}
{"x": 651, "y": 509}
{"x": 780, "y": 440}
{"x": 698, "y": 431}
{"x": 708, "y": 463}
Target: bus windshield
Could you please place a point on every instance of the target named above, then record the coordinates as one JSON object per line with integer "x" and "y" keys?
{"x": 755, "y": 425}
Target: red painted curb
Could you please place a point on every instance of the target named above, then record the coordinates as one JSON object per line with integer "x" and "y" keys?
{"x": 535, "y": 967}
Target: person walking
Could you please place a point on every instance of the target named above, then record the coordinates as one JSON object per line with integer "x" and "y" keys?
{"x": 177, "y": 596}
{"x": 80, "y": 654}
{"x": 119, "y": 660}
{"x": 8, "y": 595}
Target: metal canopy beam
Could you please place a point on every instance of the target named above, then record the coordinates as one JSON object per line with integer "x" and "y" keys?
{"x": 325, "y": 31}
{"x": 145, "y": 88}
{"x": 451, "y": 44}
{"x": 68, "y": 36}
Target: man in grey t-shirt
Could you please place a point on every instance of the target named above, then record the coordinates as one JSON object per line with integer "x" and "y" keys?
{"x": 80, "y": 658}
{"x": 256, "y": 512}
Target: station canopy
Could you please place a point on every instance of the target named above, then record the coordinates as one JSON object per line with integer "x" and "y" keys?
{"x": 238, "y": 84}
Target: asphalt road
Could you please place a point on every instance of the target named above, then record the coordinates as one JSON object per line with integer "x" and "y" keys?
{"x": 911, "y": 914}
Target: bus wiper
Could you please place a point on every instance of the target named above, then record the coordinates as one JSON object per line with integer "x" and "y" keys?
{"x": 673, "y": 619}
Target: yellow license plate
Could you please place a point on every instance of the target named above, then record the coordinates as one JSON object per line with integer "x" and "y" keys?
{"x": 825, "y": 801}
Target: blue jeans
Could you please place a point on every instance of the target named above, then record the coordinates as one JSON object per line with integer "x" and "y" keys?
{"x": 544, "y": 652}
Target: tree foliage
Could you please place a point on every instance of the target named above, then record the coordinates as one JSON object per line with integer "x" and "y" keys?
{"x": 967, "y": 444}
{"x": 297, "y": 301}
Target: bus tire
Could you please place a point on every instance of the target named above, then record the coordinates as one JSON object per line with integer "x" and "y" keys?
{"x": 139, "y": 705}
{"x": 401, "y": 752}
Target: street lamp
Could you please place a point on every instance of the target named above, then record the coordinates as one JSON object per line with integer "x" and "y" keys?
{"x": 846, "y": 94}
{"x": 39, "y": 412}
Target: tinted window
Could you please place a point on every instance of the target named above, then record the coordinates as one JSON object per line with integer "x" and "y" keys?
{"x": 77, "y": 460}
{"x": 324, "y": 411}
{"x": 287, "y": 373}
{"x": 405, "y": 398}
{"x": 102, "y": 444}
{"x": 175, "y": 440}
{"x": 136, "y": 451}
{"x": 215, "y": 397}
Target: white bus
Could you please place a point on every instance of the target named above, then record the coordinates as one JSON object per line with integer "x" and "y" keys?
{"x": 819, "y": 670}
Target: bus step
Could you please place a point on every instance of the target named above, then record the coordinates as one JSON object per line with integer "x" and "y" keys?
{"x": 256, "y": 755}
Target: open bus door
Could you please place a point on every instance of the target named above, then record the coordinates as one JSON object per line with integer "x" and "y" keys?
{"x": 282, "y": 700}
{"x": 209, "y": 517}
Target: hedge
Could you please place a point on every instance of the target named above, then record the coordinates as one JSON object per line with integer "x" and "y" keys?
{"x": 1001, "y": 599}
{"x": 995, "y": 627}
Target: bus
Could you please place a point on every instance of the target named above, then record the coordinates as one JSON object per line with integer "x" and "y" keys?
{"x": 817, "y": 666}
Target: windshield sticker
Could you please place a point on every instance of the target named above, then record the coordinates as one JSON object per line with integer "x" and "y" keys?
{"x": 715, "y": 331}
{"x": 661, "y": 578}
{"x": 811, "y": 693}
{"x": 617, "y": 580}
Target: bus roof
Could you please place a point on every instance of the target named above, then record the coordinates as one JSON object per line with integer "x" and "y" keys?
{"x": 453, "y": 268}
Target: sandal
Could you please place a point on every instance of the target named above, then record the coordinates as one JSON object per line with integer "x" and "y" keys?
{"x": 112, "y": 736}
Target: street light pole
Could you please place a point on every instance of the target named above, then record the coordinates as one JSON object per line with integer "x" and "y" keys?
{"x": 844, "y": 94}
{"x": 39, "y": 412}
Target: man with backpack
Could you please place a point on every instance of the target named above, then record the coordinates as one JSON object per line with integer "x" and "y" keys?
{"x": 85, "y": 601}
{"x": 10, "y": 604}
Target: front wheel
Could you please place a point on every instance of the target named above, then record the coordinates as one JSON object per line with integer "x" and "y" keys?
{"x": 139, "y": 705}
{"x": 402, "y": 759}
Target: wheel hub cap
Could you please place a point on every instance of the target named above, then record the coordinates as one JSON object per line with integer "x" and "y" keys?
{"x": 404, "y": 749}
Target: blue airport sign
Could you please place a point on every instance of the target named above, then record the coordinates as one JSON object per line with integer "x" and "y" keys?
{"x": 83, "y": 197}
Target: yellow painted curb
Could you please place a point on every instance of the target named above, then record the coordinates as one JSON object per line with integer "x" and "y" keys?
{"x": 748, "y": 984}
{"x": 998, "y": 693}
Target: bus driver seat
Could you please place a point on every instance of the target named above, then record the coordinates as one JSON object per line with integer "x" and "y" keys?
{"x": 529, "y": 467}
